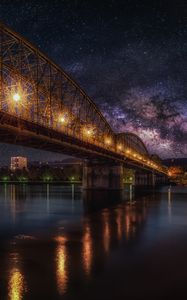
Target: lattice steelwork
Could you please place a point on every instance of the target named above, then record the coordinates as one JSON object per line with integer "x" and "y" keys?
{"x": 133, "y": 142}
{"x": 35, "y": 89}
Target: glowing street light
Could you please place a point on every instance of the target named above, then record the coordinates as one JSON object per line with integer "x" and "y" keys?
{"x": 119, "y": 147}
{"x": 16, "y": 97}
{"x": 108, "y": 141}
{"x": 62, "y": 119}
{"x": 88, "y": 131}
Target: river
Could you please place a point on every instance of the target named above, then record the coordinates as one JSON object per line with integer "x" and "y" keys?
{"x": 59, "y": 243}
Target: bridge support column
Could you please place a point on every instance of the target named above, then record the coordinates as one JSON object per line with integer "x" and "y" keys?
{"x": 150, "y": 179}
{"x": 145, "y": 179}
{"x": 153, "y": 179}
{"x": 102, "y": 176}
{"x": 161, "y": 179}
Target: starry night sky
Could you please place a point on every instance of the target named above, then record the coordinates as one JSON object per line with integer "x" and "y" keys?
{"x": 130, "y": 57}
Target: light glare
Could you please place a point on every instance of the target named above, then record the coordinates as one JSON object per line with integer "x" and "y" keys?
{"x": 16, "y": 97}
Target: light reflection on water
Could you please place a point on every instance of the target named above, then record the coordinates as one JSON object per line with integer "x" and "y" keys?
{"x": 87, "y": 248}
{"x": 13, "y": 201}
{"x": 61, "y": 261}
{"x": 106, "y": 230}
{"x": 169, "y": 204}
{"x": 119, "y": 221}
{"x": 16, "y": 281}
{"x": 54, "y": 243}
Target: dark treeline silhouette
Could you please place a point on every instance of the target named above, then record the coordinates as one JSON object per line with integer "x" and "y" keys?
{"x": 43, "y": 173}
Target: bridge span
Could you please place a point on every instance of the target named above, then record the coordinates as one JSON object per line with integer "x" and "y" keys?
{"x": 42, "y": 107}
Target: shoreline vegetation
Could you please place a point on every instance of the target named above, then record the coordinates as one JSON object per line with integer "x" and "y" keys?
{"x": 42, "y": 174}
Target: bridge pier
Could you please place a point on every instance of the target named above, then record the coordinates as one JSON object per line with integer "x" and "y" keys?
{"x": 161, "y": 179}
{"x": 145, "y": 179}
{"x": 102, "y": 176}
{"x": 150, "y": 179}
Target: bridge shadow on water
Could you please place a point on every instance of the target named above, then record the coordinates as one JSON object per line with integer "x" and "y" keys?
{"x": 97, "y": 199}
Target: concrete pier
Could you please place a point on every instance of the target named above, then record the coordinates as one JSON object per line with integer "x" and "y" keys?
{"x": 102, "y": 176}
{"x": 107, "y": 176}
{"x": 151, "y": 179}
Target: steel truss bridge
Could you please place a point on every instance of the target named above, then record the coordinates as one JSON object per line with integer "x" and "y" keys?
{"x": 42, "y": 107}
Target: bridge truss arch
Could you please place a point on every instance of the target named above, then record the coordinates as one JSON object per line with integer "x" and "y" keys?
{"x": 39, "y": 97}
{"x": 35, "y": 88}
{"x": 132, "y": 141}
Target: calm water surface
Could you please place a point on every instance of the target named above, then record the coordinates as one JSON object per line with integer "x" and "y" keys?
{"x": 57, "y": 243}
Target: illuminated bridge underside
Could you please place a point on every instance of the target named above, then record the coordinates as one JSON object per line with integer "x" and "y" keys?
{"x": 17, "y": 131}
{"x": 42, "y": 107}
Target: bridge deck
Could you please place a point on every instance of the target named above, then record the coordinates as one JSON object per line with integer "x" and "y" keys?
{"x": 14, "y": 130}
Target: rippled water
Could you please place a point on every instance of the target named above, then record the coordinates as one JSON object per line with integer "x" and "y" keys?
{"x": 57, "y": 243}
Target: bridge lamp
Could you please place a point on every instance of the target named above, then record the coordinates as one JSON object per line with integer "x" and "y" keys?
{"x": 62, "y": 119}
{"x": 108, "y": 141}
{"x": 88, "y": 131}
{"x": 119, "y": 147}
{"x": 16, "y": 97}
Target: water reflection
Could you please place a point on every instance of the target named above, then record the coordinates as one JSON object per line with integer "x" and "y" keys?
{"x": 87, "y": 251}
{"x": 13, "y": 201}
{"x": 130, "y": 192}
{"x": 169, "y": 204}
{"x": 61, "y": 264}
{"x": 119, "y": 221}
{"x": 48, "y": 198}
{"x": 16, "y": 283}
{"x": 5, "y": 193}
{"x": 17, "y": 194}
{"x": 68, "y": 249}
{"x": 106, "y": 230}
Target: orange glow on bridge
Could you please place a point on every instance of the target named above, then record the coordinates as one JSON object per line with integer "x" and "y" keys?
{"x": 16, "y": 97}
{"x": 44, "y": 95}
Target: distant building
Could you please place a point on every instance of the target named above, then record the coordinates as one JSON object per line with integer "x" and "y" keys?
{"x": 18, "y": 163}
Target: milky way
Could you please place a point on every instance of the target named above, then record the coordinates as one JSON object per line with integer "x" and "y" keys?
{"x": 129, "y": 56}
